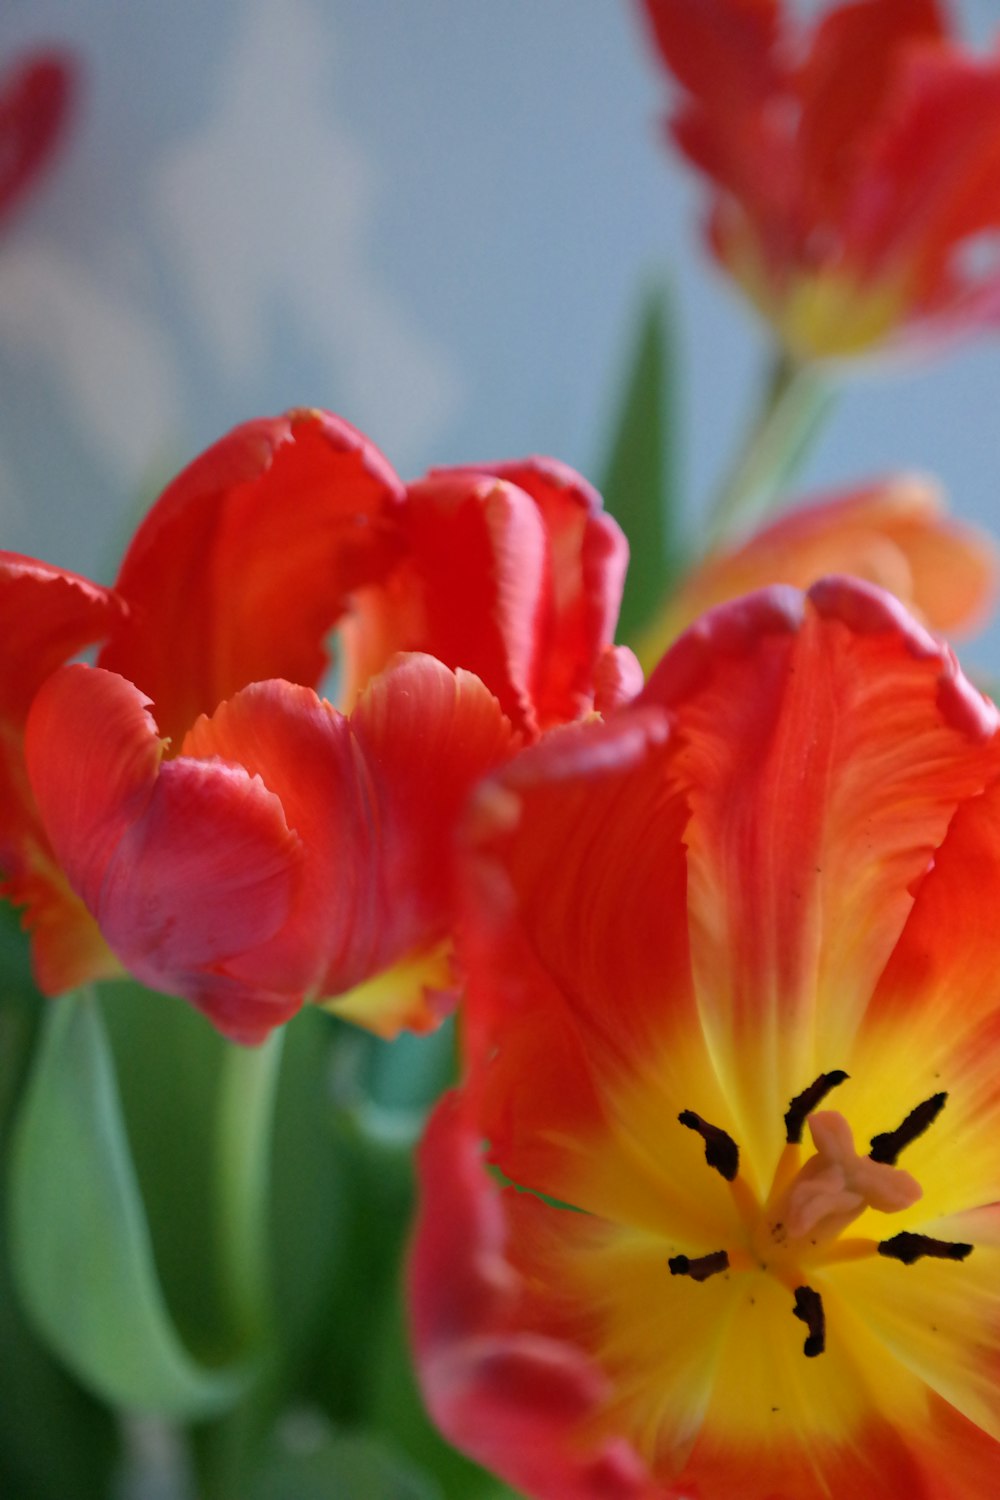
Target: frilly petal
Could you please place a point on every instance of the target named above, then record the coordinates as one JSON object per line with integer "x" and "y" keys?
{"x": 511, "y": 571}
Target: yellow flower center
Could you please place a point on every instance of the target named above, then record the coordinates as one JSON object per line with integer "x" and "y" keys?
{"x": 800, "y": 1224}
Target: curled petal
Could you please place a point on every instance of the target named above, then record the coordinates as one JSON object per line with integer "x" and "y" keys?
{"x": 588, "y": 556}
{"x": 513, "y": 1399}
{"x": 183, "y": 865}
{"x": 374, "y": 800}
{"x": 46, "y": 616}
{"x": 246, "y": 561}
{"x": 511, "y": 571}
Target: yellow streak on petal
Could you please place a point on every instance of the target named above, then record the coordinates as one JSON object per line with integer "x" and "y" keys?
{"x": 410, "y": 995}
{"x": 936, "y": 1320}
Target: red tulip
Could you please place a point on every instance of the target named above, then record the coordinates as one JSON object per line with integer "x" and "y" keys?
{"x": 854, "y": 167}
{"x": 191, "y": 810}
{"x": 714, "y": 1211}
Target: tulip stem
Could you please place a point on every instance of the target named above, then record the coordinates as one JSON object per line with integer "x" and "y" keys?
{"x": 795, "y": 401}
{"x": 243, "y": 1145}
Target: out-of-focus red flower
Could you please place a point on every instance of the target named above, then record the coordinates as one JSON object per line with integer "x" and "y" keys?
{"x": 855, "y": 167}
{"x": 190, "y": 808}
{"x": 649, "y": 1247}
{"x": 895, "y": 533}
{"x": 35, "y": 99}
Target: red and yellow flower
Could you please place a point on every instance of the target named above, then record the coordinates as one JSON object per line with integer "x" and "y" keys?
{"x": 855, "y": 169}
{"x": 731, "y": 1042}
{"x": 895, "y": 533}
{"x": 192, "y": 810}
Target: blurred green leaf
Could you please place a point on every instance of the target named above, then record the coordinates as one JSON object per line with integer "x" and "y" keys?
{"x": 317, "y": 1465}
{"x": 312, "y": 1193}
{"x": 640, "y": 477}
{"x": 37, "y": 1397}
{"x": 168, "y": 1061}
{"x": 80, "y": 1243}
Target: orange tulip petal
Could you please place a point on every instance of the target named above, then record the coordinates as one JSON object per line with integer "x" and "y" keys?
{"x": 894, "y": 533}
{"x": 569, "y": 1005}
{"x": 246, "y": 561}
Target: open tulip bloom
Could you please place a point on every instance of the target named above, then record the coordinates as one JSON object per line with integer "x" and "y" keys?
{"x": 855, "y": 171}
{"x": 714, "y": 1211}
{"x": 191, "y": 810}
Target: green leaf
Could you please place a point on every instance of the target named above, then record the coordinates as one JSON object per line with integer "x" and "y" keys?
{"x": 37, "y": 1397}
{"x": 640, "y": 483}
{"x": 80, "y": 1245}
{"x": 169, "y": 1061}
{"x": 316, "y": 1465}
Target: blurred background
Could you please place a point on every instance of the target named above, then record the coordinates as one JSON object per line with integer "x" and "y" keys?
{"x": 438, "y": 219}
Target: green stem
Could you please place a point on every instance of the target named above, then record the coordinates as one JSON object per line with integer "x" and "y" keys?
{"x": 794, "y": 404}
{"x": 243, "y": 1145}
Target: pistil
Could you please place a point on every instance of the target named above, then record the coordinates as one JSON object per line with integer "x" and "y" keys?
{"x": 811, "y": 1203}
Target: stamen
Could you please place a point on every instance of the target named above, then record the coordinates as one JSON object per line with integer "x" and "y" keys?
{"x": 809, "y": 1310}
{"x": 887, "y": 1146}
{"x": 803, "y": 1104}
{"x": 912, "y": 1247}
{"x": 701, "y": 1268}
{"x": 721, "y": 1151}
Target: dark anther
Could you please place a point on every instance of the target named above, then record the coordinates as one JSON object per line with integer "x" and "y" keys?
{"x": 803, "y": 1104}
{"x": 910, "y": 1247}
{"x": 809, "y": 1310}
{"x": 887, "y": 1146}
{"x": 721, "y": 1151}
{"x": 701, "y": 1268}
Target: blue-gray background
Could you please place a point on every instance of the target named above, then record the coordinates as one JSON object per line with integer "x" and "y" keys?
{"x": 435, "y": 216}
